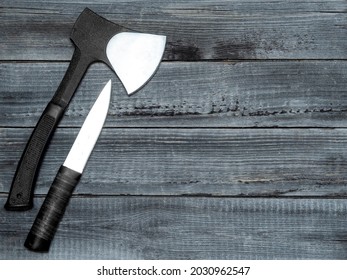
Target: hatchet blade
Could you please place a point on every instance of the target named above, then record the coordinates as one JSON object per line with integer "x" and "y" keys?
{"x": 135, "y": 57}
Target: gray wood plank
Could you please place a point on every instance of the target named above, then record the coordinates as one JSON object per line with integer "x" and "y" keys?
{"x": 183, "y": 94}
{"x": 267, "y": 29}
{"x": 187, "y": 228}
{"x": 208, "y": 162}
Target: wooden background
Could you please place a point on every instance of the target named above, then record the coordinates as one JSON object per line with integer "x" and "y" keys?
{"x": 236, "y": 149}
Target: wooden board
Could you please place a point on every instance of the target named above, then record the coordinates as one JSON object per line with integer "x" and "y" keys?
{"x": 208, "y": 162}
{"x": 267, "y": 29}
{"x": 246, "y": 94}
{"x": 187, "y": 228}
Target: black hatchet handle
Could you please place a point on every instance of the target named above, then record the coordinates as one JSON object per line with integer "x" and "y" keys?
{"x": 22, "y": 189}
{"x": 52, "y": 210}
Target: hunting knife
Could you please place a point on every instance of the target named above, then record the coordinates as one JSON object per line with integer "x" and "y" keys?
{"x": 53, "y": 207}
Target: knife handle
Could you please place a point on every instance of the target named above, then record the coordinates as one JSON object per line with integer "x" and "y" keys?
{"x": 22, "y": 189}
{"x": 52, "y": 210}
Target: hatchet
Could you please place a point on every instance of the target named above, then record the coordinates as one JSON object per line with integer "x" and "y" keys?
{"x": 132, "y": 55}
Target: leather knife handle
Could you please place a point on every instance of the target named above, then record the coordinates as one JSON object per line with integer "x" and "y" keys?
{"x": 52, "y": 210}
{"x": 22, "y": 189}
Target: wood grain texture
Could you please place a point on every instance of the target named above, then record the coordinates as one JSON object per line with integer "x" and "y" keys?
{"x": 208, "y": 162}
{"x": 267, "y": 29}
{"x": 187, "y": 228}
{"x": 236, "y": 149}
{"x": 246, "y": 94}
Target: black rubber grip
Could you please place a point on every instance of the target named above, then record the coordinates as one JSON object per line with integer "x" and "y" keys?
{"x": 22, "y": 189}
{"x": 52, "y": 210}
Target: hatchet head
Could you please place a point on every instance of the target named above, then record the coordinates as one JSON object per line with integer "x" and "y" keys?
{"x": 132, "y": 55}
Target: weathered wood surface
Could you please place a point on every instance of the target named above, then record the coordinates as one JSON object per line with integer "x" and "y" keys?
{"x": 209, "y": 162}
{"x": 187, "y": 228}
{"x": 200, "y": 94}
{"x": 236, "y": 149}
{"x": 196, "y": 30}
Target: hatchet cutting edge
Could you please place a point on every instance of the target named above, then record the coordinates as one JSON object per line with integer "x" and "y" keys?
{"x": 133, "y": 56}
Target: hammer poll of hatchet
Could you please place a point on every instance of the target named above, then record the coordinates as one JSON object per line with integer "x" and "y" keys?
{"x": 133, "y": 56}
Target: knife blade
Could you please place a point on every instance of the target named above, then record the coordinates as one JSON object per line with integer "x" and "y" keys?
{"x": 57, "y": 199}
